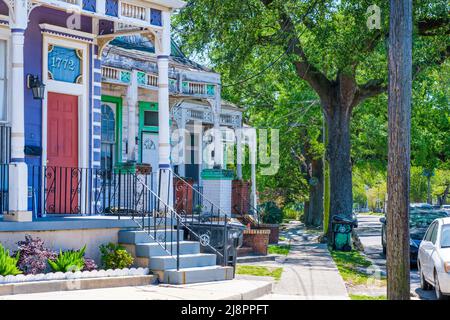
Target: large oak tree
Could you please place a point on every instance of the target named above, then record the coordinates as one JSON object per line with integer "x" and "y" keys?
{"x": 325, "y": 43}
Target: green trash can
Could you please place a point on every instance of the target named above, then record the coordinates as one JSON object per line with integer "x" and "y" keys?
{"x": 342, "y": 232}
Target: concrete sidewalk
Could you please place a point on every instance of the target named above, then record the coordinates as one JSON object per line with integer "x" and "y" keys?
{"x": 309, "y": 272}
{"x": 219, "y": 290}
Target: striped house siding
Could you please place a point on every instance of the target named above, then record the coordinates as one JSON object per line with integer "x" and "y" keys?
{"x": 96, "y": 110}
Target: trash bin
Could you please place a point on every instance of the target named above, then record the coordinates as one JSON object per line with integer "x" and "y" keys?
{"x": 212, "y": 235}
{"x": 342, "y": 232}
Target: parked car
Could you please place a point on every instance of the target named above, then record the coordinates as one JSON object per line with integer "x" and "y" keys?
{"x": 446, "y": 208}
{"x": 434, "y": 258}
{"x": 419, "y": 221}
{"x": 421, "y": 206}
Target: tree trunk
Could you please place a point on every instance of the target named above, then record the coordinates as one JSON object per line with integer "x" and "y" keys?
{"x": 429, "y": 200}
{"x": 326, "y": 184}
{"x": 399, "y": 109}
{"x": 315, "y": 212}
{"x": 305, "y": 212}
{"x": 338, "y": 155}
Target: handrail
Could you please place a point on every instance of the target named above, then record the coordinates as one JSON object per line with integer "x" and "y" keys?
{"x": 179, "y": 220}
{"x": 196, "y": 191}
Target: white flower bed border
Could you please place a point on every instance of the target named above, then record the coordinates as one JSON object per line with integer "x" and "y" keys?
{"x": 126, "y": 272}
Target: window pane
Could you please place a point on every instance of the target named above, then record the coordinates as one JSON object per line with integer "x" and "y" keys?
{"x": 445, "y": 236}
{"x": 151, "y": 118}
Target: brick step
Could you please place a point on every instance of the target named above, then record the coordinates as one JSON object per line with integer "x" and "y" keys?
{"x": 244, "y": 251}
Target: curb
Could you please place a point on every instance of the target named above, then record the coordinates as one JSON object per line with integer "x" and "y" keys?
{"x": 253, "y": 293}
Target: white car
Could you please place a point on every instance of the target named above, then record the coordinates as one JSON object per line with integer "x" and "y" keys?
{"x": 434, "y": 258}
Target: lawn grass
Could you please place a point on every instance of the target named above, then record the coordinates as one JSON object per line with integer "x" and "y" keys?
{"x": 363, "y": 297}
{"x": 279, "y": 249}
{"x": 348, "y": 264}
{"x": 260, "y": 271}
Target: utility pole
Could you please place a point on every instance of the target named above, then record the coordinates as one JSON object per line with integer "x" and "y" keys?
{"x": 399, "y": 109}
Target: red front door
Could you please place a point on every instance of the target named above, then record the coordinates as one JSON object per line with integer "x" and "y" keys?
{"x": 62, "y": 154}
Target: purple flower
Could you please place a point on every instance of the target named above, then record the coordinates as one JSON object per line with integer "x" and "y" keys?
{"x": 33, "y": 255}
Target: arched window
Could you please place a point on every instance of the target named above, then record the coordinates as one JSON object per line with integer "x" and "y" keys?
{"x": 108, "y": 137}
{"x": 108, "y": 124}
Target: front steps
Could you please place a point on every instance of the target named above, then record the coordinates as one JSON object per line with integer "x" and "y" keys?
{"x": 161, "y": 259}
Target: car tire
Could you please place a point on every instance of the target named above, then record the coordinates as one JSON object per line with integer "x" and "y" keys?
{"x": 424, "y": 285}
{"x": 437, "y": 288}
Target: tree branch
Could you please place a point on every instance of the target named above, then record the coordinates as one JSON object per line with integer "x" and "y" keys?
{"x": 370, "y": 89}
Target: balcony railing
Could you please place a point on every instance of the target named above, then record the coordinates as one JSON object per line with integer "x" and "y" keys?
{"x": 133, "y": 11}
{"x": 123, "y": 10}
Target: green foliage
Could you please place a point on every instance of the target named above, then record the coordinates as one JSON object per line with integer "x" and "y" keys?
{"x": 8, "y": 264}
{"x": 260, "y": 271}
{"x": 271, "y": 213}
{"x": 350, "y": 265}
{"x": 115, "y": 256}
{"x": 68, "y": 261}
{"x": 364, "y": 297}
{"x": 279, "y": 249}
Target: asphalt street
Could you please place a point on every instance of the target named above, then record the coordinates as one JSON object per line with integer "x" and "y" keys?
{"x": 369, "y": 232}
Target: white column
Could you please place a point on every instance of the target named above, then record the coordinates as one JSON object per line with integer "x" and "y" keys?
{"x": 163, "y": 53}
{"x": 132, "y": 101}
{"x": 238, "y": 133}
{"x": 253, "y": 150}
{"x": 218, "y": 147}
{"x": 182, "y": 145}
{"x": 18, "y": 174}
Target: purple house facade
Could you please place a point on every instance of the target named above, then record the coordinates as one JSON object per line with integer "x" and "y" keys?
{"x": 50, "y": 113}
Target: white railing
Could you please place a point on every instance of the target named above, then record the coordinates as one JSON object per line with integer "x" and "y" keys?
{"x": 133, "y": 11}
{"x": 152, "y": 80}
{"x": 72, "y": 1}
{"x": 196, "y": 88}
{"x": 111, "y": 73}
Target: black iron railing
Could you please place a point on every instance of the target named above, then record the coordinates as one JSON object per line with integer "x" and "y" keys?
{"x": 85, "y": 191}
{"x": 4, "y": 188}
{"x": 153, "y": 214}
{"x": 205, "y": 216}
{"x": 89, "y": 191}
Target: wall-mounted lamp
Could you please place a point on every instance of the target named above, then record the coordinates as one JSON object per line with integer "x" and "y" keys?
{"x": 36, "y": 86}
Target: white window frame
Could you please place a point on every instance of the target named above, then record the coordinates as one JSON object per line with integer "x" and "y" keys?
{"x": 5, "y": 34}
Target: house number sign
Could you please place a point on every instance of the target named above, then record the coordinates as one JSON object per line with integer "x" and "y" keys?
{"x": 64, "y": 64}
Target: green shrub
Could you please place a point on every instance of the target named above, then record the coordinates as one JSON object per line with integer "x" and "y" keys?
{"x": 271, "y": 213}
{"x": 290, "y": 214}
{"x": 115, "y": 256}
{"x": 8, "y": 264}
{"x": 68, "y": 261}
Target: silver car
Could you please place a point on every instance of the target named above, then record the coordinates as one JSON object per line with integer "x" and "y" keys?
{"x": 434, "y": 258}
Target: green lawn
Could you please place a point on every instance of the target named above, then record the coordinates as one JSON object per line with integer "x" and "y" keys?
{"x": 348, "y": 264}
{"x": 279, "y": 249}
{"x": 260, "y": 271}
{"x": 363, "y": 297}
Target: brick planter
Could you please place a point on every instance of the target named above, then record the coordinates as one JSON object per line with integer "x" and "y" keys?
{"x": 257, "y": 239}
{"x": 240, "y": 196}
{"x": 274, "y": 231}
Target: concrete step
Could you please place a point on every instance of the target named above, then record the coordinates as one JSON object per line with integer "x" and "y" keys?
{"x": 195, "y": 275}
{"x": 154, "y": 249}
{"x": 140, "y": 236}
{"x": 156, "y": 223}
{"x": 186, "y": 261}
